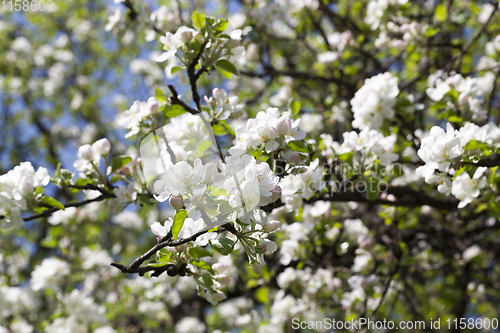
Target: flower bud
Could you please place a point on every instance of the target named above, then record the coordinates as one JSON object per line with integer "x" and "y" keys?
{"x": 291, "y": 157}
{"x": 153, "y": 104}
{"x": 232, "y": 43}
{"x": 272, "y": 226}
{"x": 102, "y": 147}
{"x": 257, "y": 267}
{"x": 176, "y": 202}
{"x": 219, "y": 296}
{"x": 223, "y": 279}
{"x": 275, "y": 193}
{"x": 86, "y": 152}
{"x": 27, "y": 185}
{"x": 210, "y": 101}
{"x": 219, "y": 267}
{"x": 261, "y": 248}
{"x": 283, "y": 127}
{"x": 186, "y": 36}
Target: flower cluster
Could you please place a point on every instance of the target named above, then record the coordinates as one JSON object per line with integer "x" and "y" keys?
{"x": 16, "y": 187}
{"x": 375, "y": 101}
{"x": 221, "y": 105}
{"x": 133, "y": 118}
{"x": 367, "y": 146}
{"x": 441, "y": 149}
{"x": 270, "y": 132}
{"x": 296, "y": 187}
{"x": 471, "y": 90}
{"x": 89, "y": 156}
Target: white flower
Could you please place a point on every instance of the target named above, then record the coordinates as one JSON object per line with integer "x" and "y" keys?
{"x": 124, "y": 195}
{"x": 355, "y": 230}
{"x": 190, "y": 325}
{"x": 374, "y": 101}
{"x": 49, "y": 274}
{"x": 91, "y": 154}
{"x": 437, "y": 150}
{"x": 466, "y": 189}
{"x": 437, "y": 93}
{"x": 132, "y": 118}
{"x": 102, "y": 146}
{"x": 471, "y": 252}
{"x": 21, "y": 326}
{"x": 222, "y": 105}
{"x": 64, "y": 325}
{"x": 264, "y": 131}
{"x": 113, "y": 19}
{"x": 305, "y": 183}
{"x": 179, "y": 179}
{"x": 81, "y": 306}
{"x": 15, "y": 186}
{"x": 311, "y": 122}
{"x": 173, "y": 42}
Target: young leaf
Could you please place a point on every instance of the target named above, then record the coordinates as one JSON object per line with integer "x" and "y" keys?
{"x": 199, "y": 252}
{"x": 227, "y": 66}
{"x": 228, "y": 128}
{"x": 52, "y": 202}
{"x": 160, "y": 96}
{"x": 298, "y": 145}
{"x": 372, "y": 191}
{"x": 223, "y": 245}
{"x": 171, "y": 111}
{"x": 179, "y": 218}
{"x": 119, "y": 162}
{"x": 227, "y": 75}
{"x": 198, "y": 20}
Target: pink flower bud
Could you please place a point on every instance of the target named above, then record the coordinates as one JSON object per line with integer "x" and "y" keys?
{"x": 223, "y": 280}
{"x": 102, "y": 147}
{"x": 86, "y": 152}
{"x": 218, "y": 296}
{"x": 261, "y": 248}
{"x": 176, "y": 202}
{"x": 283, "y": 127}
{"x": 275, "y": 193}
{"x": 272, "y": 226}
{"x": 219, "y": 267}
{"x": 257, "y": 267}
{"x": 153, "y": 104}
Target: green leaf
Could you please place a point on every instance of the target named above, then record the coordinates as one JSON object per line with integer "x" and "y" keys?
{"x": 227, "y": 75}
{"x": 219, "y": 129}
{"x": 226, "y": 66}
{"x": 475, "y": 144}
{"x": 372, "y": 189}
{"x": 203, "y": 146}
{"x": 160, "y": 96}
{"x": 346, "y": 157}
{"x": 295, "y": 107}
{"x": 171, "y": 111}
{"x": 223, "y": 245}
{"x": 176, "y": 69}
{"x": 179, "y": 218}
{"x": 262, "y": 295}
{"x": 199, "y": 252}
{"x": 119, "y": 162}
{"x": 222, "y": 25}
{"x": 202, "y": 265}
{"x": 298, "y": 145}
{"x": 164, "y": 256}
{"x": 441, "y": 13}
{"x": 198, "y": 20}
{"x": 52, "y": 202}
{"x": 227, "y": 127}
{"x": 82, "y": 182}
